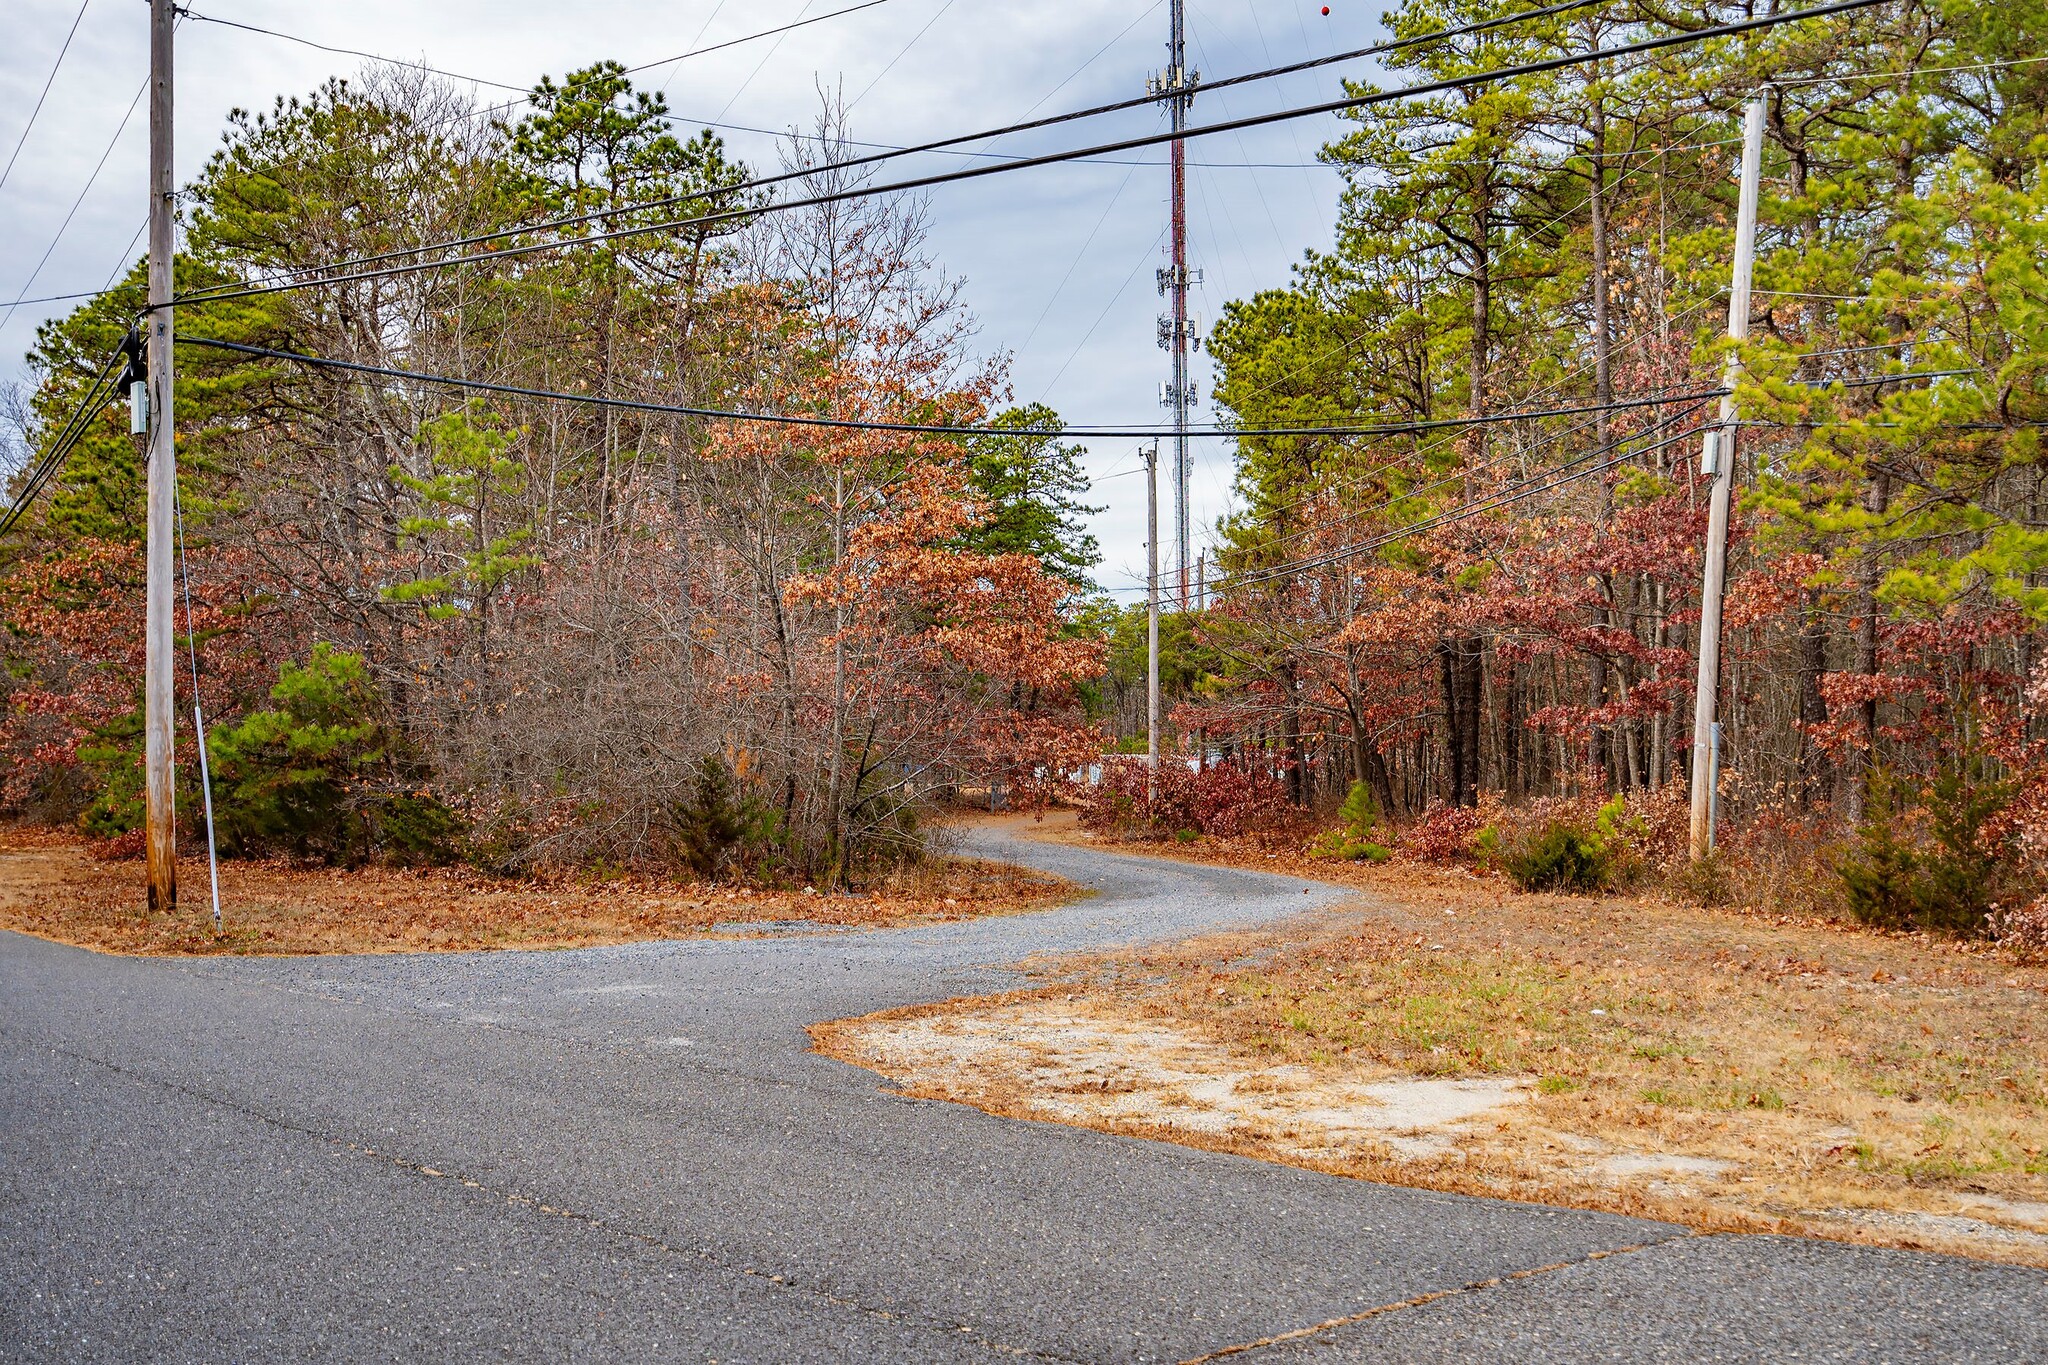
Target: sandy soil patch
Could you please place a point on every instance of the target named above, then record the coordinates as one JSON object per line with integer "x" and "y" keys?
{"x": 1719, "y": 1069}
{"x": 52, "y": 887}
{"x": 1080, "y": 1061}
{"x": 1078, "y": 1064}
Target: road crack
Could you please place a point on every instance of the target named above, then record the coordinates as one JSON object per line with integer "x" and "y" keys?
{"x": 1420, "y": 1300}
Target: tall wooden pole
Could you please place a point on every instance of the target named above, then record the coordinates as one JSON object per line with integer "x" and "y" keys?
{"x": 1151, "y": 617}
{"x": 1717, "y": 457}
{"x": 162, "y": 659}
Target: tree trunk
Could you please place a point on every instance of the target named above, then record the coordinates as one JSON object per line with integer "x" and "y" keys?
{"x": 1511, "y": 736}
{"x": 1813, "y": 711}
{"x": 1870, "y": 574}
{"x": 1471, "y": 677}
{"x": 1297, "y": 764}
{"x": 1454, "y": 732}
{"x": 1603, "y": 393}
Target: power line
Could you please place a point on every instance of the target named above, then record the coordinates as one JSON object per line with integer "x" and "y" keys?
{"x": 62, "y": 227}
{"x": 1074, "y": 75}
{"x": 525, "y": 92}
{"x": 638, "y": 405}
{"x": 352, "y": 52}
{"x": 55, "y": 67}
{"x": 1492, "y": 502}
{"x": 1910, "y": 71}
{"x": 1551, "y": 387}
{"x": 1021, "y": 163}
{"x": 1621, "y": 180}
{"x": 695, "y": 38}
{"x": 59, "y": 450}
{"x": 99, "y": 293}
{"x": 1079, "y": 256}
{"x": 60, "y": 298}
{"x": 126, "y": 258}
{"x": 501, "y": 85}
{"x": 1102, "y": 317}
{"x": 1866, "y": 381}
{"x": 1455, "y": 475}
{"x": 1418, "y": 455}
{"x": 885, "y": 152}
{"x": 759, "y": 66}
{"x": 848, "y": 423}
{"x": 764, "y": 33}
{"x": 869, "y": 88}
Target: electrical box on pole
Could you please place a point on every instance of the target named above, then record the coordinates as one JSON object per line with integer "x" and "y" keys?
{"x": 134, "y": 382}
{"x": 1717, "y": 459}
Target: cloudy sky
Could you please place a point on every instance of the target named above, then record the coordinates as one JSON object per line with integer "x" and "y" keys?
{"x": 1058, "y": 260}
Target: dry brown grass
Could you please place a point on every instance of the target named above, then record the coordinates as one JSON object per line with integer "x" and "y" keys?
{"x": 52, "y": 887}
{"x": 1879, "y": 1088}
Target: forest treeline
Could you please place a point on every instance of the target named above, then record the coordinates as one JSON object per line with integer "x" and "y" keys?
{"x": 1564, "y": 241}
{"x": 1507, "y": 611}
{"x": 538, "y": 632}
{"x": 555, "y": 632}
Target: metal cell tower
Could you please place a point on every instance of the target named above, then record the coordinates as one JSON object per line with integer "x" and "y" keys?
{"x": 1177, "y": 329}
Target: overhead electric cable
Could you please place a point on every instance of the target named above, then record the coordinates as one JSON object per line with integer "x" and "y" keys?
{"x": 1555, "y": 384}
{"x": 502, "y": 85}
{"x": 103, "y": 290}
{"x": 54, "y": 458}
{"x": 1075, "y": 264}
{"x": 59, "y": 449}
{"x": 1411, "y": 457}
{"x": 1910, "y": 71}
{"x": 1467, "y": 471}
{"x": 55, "y": 67}
{"x": 759, "y": 66}
{"x": 64, "y": 226}
{"x": 1074, "y": 75}
{"x": 1865, "y": 381}
{"x": 862, "y": 424}
{"x": 695, "y": 38}
{"x": 1026, "y": 162}
{"x": 1418, "y": 455}
{"x": 764, "y": 33}
{"x": 1492, "y": 502}
{"x": 127, "y": 256}
{"x": 904, "y": 52}
{"x": 353, "y": 52}
{"x": 1101, "y": 317}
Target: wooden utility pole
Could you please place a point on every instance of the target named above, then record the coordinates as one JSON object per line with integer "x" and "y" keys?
{"x": 162, "y": 461}
{"x": 1717, "y": 457}
{"x": 1151, "y": 617}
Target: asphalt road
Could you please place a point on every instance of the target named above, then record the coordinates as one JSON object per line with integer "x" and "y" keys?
{"x": 629, "y": 1153}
